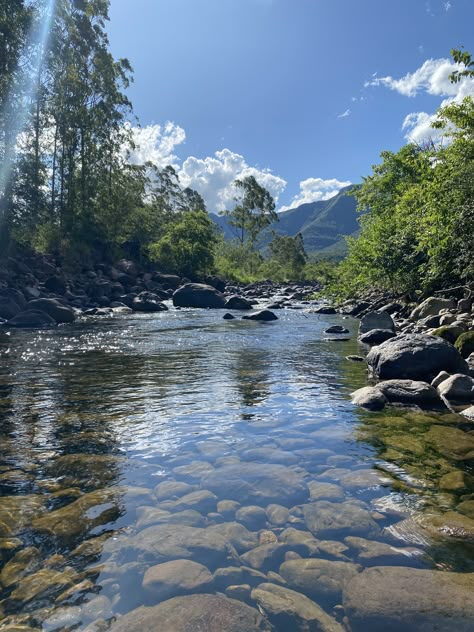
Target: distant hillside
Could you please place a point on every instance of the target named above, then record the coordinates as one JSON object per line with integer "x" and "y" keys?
{"x": 322, "y": 224}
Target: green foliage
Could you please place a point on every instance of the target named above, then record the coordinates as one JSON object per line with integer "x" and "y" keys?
{"x": 288, "y": 256}
{"x": 187, "y": 245}
{"x": 254, "y": 211}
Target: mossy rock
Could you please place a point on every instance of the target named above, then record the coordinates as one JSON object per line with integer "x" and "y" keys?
{"x": 465, "y": 344}
{"x": 448, "y": 332}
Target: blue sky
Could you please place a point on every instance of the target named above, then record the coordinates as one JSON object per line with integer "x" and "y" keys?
{"x": 303, "y": 94}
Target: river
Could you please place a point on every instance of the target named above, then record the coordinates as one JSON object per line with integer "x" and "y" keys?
{"x": 181, "y": 421}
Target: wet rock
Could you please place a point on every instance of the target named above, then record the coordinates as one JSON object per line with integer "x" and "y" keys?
{"x": 148, "y": 516}
{"x": 300, "y": 541}
{"x": 465, "y": 344}
{"x": 201, "y": 500}
{"x": 238, "y": 302}
{"x": 177, "y": 577}
{"x": 17, "y": 512}
{"x": 369, "y": 397}
{"x": 336, "y": 329}
{"x": 228, "y": 316}
{"x": 376, "y": 336}
{"x": 8, "y": 307}
{"x": 85, "y": 470}
{"x": 323, "y": 580}
{"x": 44, "y": 581}
{"x": 269, "y": 455}
{"x": 149, "y": 302}
{"x": 371, "y": 552}
{"x": 451, "y": 442}
{"x": 198, "y": 295}
{"x": 289, "y": 607}
{"x": 212, "y": 613}
{"x": 277, "y": 514}
{"x": 363, "y": 479}
{"x": 236, "y": 534}
{"x": 23, "y": 563}
{"x": 267, "y": 537}
{"x": 324, "y": 518}
{"x": 252, "y": 516}
{"x": 97, "y": 608}
{"x": 265, "y": 556}
{"x": 31, "y": 318}
{"x": 194, "y": 470}
{"x": 260, "y": 483}
{"x": 456, "y": 481}
{"x": 450, "y": 525}
{"x": 325, "y": 309}
{"x": 466, "y": 508}
{"x": 355, "y": 358}
{"x": 162, "y": 543}
{"x": 408, "y": 391}
{"x": 227, "y": 508}
{"x": 457, "y": 388}
{"x": 415, "y": 357}
{"x": 263, "y": 315}
{"x": 239, "y": 591}
{"x": 231, "y": 575}
{"x": 53, "y": 308}
{"x": 397, "y": 598}
{"x": 78, "y": 517}
{"x": 376, "y": 320}
{"x": 171, "y": 489}
{"x": 432, "y": 307}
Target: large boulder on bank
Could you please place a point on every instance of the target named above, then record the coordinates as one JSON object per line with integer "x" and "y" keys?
{"x": 414, "y": 357}
{"x": 31, "y": 318}
{"x": 193, "y": 613}
{"x": 432, "y": 307}
{"x": 148, "y": 302}
{"x": 457, "y": 388}
{"x": 408, "y": 391}
{"x": 53, "y": 308}
{"x": 198, "y": 295}
{"x": 369, "y": 397}
{"x": 465, "y": 344}
{"x": 263, "y": 314}
{"x": 376, "y": 320}
{"x": 397, "y": 598}
{"x": 238, "y": 302}
{"x": 376, "y": 336}
{"x": 8, "y": 307}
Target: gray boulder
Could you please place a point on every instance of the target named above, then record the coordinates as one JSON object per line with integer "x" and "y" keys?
{"x": 198, "y": 295}
{"x": 376, "y": 320}
{"x": 148, "y": 302}
{"x": 264, "y": 315}
{"x": 194, "y": 613}
{"x": 432, "y": 307}
{"x": 457, "y": 387}
{"x": 408, "y": 391}
{"x": 31, "y": 318}
{"x": 8, "y": 307}
{"x": 376, "y": 336}
{"x": 336, "y": 329}
{"x": 238, "y": 302}
{"x": 369, "y": 397}
{"x": 53, "y": 308}
{"x": 396, "y": 598}
{"x": 415, "y": 357}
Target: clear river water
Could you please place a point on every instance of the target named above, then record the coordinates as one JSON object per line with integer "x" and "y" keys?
{"x": 131, "y": 442}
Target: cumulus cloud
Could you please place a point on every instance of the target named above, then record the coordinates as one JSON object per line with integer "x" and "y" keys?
{"x": 316, "y": 189}
{"x": 432, "y": 77}
{"x": 213, "y": 177}
{"x": 156, "y": 144}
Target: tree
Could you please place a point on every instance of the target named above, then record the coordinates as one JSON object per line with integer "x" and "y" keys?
{"x": 464, "y": 58}
{"x": 187, "y": 246}
{"x": 289, "y": 255}
{"x": 254, "y": 211}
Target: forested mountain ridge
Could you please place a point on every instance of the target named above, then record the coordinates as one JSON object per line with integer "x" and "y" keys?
{"x": 322, "y": 224}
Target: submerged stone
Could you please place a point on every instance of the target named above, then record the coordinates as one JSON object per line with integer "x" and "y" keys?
{"x": 209, "y": 613}
{"x": 177, "y": 577}
{"x": 324, "y": 518}
{"x": 397, "y": 598}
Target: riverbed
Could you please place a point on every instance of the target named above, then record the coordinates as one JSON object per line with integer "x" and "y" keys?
{"x": 128, "y": 443}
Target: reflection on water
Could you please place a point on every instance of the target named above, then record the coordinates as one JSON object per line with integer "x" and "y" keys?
{"x": 130, "y": 442}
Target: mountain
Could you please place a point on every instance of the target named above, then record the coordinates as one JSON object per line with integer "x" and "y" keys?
{"x": 322, "y": 224}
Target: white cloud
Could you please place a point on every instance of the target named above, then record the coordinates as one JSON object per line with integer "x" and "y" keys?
{"x": 213, "y": 176}
{"x": 344, "y": 114}
{"x": 432, "y": 77}
{"x": 156, "y": 144}
{"x": 316, "y": 189}
{"x": 447, "y": 5}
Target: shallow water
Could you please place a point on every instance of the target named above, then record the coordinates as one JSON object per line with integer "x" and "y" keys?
{"x": 95, "y": 416}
